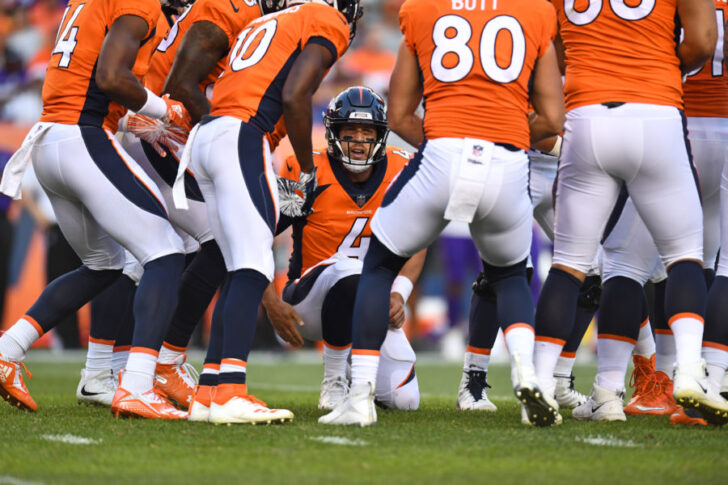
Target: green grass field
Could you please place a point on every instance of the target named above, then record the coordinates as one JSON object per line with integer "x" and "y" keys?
{"x": 437, "y": 444}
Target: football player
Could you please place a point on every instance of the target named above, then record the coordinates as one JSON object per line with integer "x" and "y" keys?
{"x": 103, "y": 200}
{"x": 471, "y": 166}
{"x": 329, "y": 245}
{"x": 624, "y": 129}
{"x": 277, "y": 63}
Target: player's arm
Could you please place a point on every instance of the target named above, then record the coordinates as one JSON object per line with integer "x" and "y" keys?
{"x": 547, "y": 97}
{"x": 405, "y": 93}
{"x": 402, "y": 287}
{"x": 201, "y": 49}
{"x": 697, "y": 18}
{"x": 303, "y": 80}
{"x": 282, "y": 317}
{"x": 116, "y": 60}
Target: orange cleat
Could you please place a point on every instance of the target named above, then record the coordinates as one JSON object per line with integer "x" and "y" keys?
{"x": 12, "y": 386}
{"x": 656, "y": 398}
{"x": 151, "y": 404}
{"x": 691, "y": 419}
{"x": 177, "y": 381}
{"x": 640, "y": 379}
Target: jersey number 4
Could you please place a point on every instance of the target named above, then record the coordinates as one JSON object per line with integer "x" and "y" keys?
{"x": 354, "y": 245}
{"x": 66, "y": 41}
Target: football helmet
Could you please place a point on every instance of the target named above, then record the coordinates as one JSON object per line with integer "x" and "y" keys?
{"x": 357, "y": 105}
{"x": 349, "y": 8}
{"x": 177, "y": 5}
{"x": 270, "y": 6}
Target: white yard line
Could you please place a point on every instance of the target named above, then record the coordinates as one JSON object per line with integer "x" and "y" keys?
{"x": 338, "y": 440}
{"x": 70, "y": 439}
{"x": 607, "y": 441}
{"x": 8, "y": 480}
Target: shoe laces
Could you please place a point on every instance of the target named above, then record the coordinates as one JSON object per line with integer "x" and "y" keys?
{"x": 188, "y": 374}
{"x": 25, "y": 369}
{"x": 654, "y": 386}
{"x": 640, "y": 375}
{"x": 477, "y": 383}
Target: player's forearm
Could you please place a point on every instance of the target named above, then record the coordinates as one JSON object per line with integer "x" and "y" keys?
{"x": 409, "y": 128}
{"x": 193, "y": 98}
{"x": 700, "y": 33}
{"x": 544, "y": 127}
{"x": 413, "y": 267}
{"x": 270, "y": 296}
{"x": 299, "y": 120}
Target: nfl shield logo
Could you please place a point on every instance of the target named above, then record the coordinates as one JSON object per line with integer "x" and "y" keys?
{"x": 477, "y": 150}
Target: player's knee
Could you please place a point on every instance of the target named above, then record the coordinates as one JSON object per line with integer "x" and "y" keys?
{"x": 590, "y": 293}
{"x": 494, "y": 274}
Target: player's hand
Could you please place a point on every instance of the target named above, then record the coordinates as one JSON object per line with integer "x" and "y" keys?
{"x": 177, "y": 114}
{"x": 307, "y": 184}
{"x": 291, "y": 203}
{"x": 396, "y": 310}
{"x": 154, "y": 132}
{"x": 284, "y": 320}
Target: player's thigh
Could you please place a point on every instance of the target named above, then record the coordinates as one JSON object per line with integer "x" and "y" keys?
{"x": 503, "y": 223}
{"x": 411, "y": 215}
{"x": 665, "y": 191}
{"x": 722, "y": 269}
{"x": 628, "y": 248}
{"x": 397, "y": 385}
{"x": 542, "y": 174}
{"x": 246, "y": 192}
{"x": 585, "y": 196}
{"x": 307, "y": 294}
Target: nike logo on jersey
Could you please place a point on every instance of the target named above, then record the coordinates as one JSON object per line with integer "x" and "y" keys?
{"x": 235, "y": 9}
{"x": 84, "y": 392}
{"x": 650, "y": 408}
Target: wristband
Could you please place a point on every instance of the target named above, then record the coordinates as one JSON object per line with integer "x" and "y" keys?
{"x": 403, "y": 286}
{"x": 155, "y": 107}
{"x": 556, "y": 150}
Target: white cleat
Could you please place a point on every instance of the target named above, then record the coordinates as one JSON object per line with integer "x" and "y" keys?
{"x": 472, "y": 395}
{"x": 96, "y": 387}
{"x": 541, "y": 408}
{"x": 357, "y": 409}
{"x": 333, "y": 392}
{"x": 566, "y": 396}
{"x": 247, "y": 409}
{"x": 198, "y": 412}
{"x": 693, "y": 390}
{"x": 602, "y": 405}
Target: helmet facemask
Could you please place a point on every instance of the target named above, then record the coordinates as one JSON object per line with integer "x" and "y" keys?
{"x": 341, "y": 146}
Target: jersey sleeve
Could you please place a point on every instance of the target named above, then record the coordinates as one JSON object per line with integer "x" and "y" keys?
{"x": 329, "y": 29}
{"x": 149, "y": 10}
{"x": 223, "y": 16}
{"x": 279, "y": 133}
{"x": 406, "y": 25}
{"x": 398, "y": 157}
{"x": 550, "y": 29}
{"x": 290, "y": 169}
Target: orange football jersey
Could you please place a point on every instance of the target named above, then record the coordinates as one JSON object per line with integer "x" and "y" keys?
{"x": 706, "y": 91}
{"x": 620, "y": 50}
{"x": 70, "y": 93}
{"x": 476, "y": 58}
{"x": 230, "y": 16}
{"x": 342, "y": 210}
{"x": 258, "y": 65}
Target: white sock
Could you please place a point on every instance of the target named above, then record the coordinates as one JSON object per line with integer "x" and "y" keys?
{"x": 335, "y": 360}
{"x": 688, "y": 332}
{"x": 565, "y": 364}
{"x": 139, "y": 374}
{"x": 613, "y": 358}
{"x": 665, "y": 345}
{"x": 16, "y": 341}
{"x": 545, "y": 355}
{"x": 476, "y": 359}
{"x": 119, "y": 358}
{"x": 520, "y": 341}
{"x": 99, "y": 354}
{"x": 363, "y": 367}
{"x": 645, "y": 342}
{"x": 169, "y": 353}
{"x": 716, "y": 361}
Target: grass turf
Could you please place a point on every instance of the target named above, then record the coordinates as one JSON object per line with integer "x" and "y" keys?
{"x": 433, "y": 445}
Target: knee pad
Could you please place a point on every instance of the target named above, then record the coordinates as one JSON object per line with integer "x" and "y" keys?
{"x": 482, "y": 288}
{"x": 590, "y": 293}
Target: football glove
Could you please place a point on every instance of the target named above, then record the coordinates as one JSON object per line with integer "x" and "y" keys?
{"x": 153, "y": 131}
{"x": 291, "y": 204}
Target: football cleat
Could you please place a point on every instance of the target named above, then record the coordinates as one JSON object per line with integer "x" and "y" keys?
{"x": 200, "y": 408}
{"x": 640, "y": 378}
{"x": 691, "y": 417}
{"x": 602, "y": 405}
{"x": 566, "y": 396}
{"x": 693, "y": 390}
{"x": 12, "y": 385}
{"x": 150, "y": 405}
{"x": 472, "y": 395}
{"x": 656, "y": 398}
{"x": 96, "y": 387}
{"x": 333, "y": 391}
{"x": 243, "y": 408}
{"x": 177, "y": 381}
{"x": 541, "y": 408}
{"x": 527, "y": 422}
{"x": 357, "y": 409}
